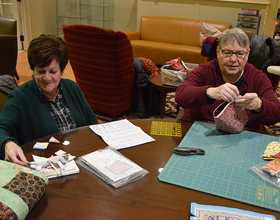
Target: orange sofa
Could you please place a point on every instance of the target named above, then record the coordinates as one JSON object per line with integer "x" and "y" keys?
{"x": 161, "y": 39}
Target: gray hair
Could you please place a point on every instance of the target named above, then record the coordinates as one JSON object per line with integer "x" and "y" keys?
{"x": 232, "y": 35}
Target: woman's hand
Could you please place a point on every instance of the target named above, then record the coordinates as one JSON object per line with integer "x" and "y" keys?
{"x": 226, "y": 92}
{"x": 250, "y": 101}
{"x": 14, "y": 153}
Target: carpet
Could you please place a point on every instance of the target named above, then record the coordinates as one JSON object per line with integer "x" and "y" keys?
{"x": 170, "y": 111}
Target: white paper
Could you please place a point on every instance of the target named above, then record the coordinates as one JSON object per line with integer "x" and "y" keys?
{"x": 111, "y": 164}
{"x": 41, "y": 145}
{"x": 55, "y": 166}
{"x": 39, "y": 161}
{"x": 121, "y": 134}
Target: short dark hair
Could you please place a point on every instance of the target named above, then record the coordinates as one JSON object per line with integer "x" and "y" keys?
{"x": 43, "y": 49}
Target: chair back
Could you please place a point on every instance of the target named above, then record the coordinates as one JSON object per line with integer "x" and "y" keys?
{"x": 8, "y": 26}
{"x": 7, "y": 85}
{"x": 3, "y": 100}
{"x": 8, "y": 55}
{"x": 8, "y": 47}
{"x": 102, "y": 61}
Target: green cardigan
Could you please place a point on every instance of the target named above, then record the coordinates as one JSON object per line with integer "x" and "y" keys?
{"x": 26, "y": 117}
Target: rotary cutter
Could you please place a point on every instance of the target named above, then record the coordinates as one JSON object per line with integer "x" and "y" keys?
{"x": 187, "y": 151}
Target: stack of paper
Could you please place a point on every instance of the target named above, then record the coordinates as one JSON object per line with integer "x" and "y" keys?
{"x": 112, "y": 167}
{"x": 121, "y": 134}
{"x": 201, "y": 212}
{"x": 55, "y": 166}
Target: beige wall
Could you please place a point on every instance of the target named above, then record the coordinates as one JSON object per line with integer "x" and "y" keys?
{"x": 225, "y": 11}
{"x": 128, "y": 12}
{"x": 125, "y": 15}
{"x": 39, "y": 16}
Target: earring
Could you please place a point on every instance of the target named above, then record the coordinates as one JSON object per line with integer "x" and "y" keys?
{"x": 32, "y": 76}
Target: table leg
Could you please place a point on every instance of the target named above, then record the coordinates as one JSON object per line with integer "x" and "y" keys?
{"x": 162, "y": 103}
{"x": 151, "y": 98}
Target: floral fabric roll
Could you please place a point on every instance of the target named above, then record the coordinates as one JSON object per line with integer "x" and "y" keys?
{"x": 230, "y": 118}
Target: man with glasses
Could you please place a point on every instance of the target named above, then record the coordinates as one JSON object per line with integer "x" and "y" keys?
{"x": 229, "y": 78}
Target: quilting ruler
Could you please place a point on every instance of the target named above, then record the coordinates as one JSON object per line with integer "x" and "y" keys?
{"x": 166, "y": 128}
{"x": 225, "y": 169}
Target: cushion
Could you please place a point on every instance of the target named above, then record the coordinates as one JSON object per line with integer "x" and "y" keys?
{"x": 20, "y": 189}
{"x": 207, "y": 31}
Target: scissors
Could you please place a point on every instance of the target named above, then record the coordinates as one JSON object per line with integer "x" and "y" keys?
{"x": 187, "y": 151}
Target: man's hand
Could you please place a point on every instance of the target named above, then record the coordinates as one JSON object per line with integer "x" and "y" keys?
{"x": 14, "y": 153}
{"x": 250, "y": 101}
{"x": 226, "y": 92}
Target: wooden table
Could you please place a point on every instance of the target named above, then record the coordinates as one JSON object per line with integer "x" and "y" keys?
{"x": 156, "y": 83}
{"x": 85, "y": 196}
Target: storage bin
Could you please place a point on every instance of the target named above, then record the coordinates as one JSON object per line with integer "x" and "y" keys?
{"x": 173, "y": 77}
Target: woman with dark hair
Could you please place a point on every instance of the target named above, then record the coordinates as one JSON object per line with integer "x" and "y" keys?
{"x": 45, "y": 105}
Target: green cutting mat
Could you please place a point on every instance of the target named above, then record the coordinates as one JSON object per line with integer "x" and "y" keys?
{"x": 225, "y": 169}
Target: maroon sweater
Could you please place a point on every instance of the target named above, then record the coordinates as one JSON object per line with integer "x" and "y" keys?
{"x": 191, "y": 94}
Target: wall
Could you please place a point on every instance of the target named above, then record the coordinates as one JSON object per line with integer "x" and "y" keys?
{"x": 125, "y": 15}
{"x": 129, "y": 12}
{"x": 37, "y": 17}
{"x": 213, "y": 10}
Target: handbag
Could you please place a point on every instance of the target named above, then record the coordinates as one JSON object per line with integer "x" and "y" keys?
{"x": 230, "y": 118}
{"x": 20, "y": 189}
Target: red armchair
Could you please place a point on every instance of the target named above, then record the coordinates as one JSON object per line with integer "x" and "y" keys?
{"x": 102, "y": 62}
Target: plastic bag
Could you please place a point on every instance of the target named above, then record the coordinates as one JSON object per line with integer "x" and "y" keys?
{"x": 175, "y": 71}
{"x": 112, "y": 167}
{"x": 266, "y": 175}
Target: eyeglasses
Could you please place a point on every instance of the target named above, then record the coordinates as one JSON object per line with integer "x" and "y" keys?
{"x": 238, "y": 54}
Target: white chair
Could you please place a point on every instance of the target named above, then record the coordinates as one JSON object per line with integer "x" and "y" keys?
{"x": 274, "y": 76}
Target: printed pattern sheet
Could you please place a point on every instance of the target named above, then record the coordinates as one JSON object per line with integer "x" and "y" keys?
{"x": 225, "y": 169}
{"x": 203, "y": 212}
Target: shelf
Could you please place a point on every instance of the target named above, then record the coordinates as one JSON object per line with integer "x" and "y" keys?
{"x": 103, "y": 6}
{"x": 98, "y": 13}
{"x": 249, "y": 23}
{"x": 245, "y": 1}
